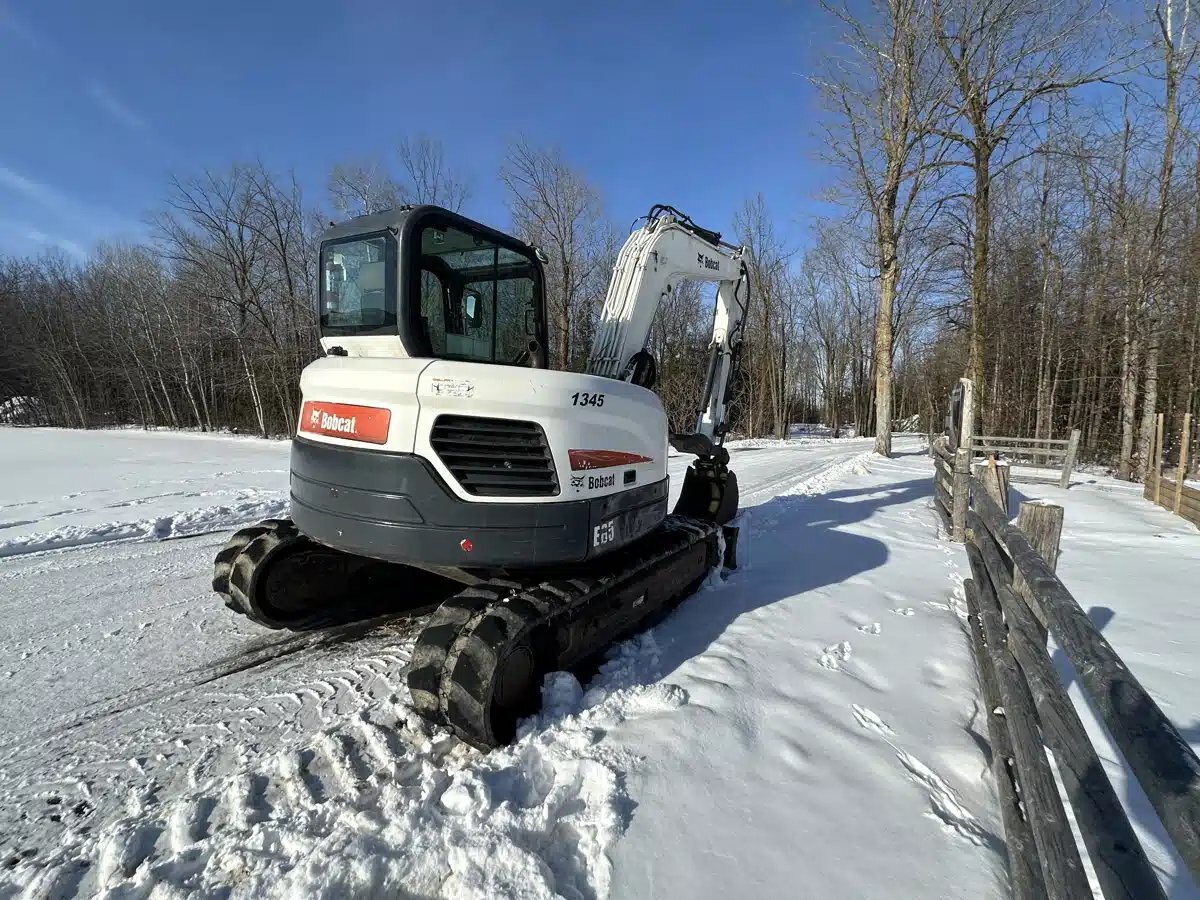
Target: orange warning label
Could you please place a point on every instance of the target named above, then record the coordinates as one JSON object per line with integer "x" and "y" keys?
{"x": 344, "y": 420}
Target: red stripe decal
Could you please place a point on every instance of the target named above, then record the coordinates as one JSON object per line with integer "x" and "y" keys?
{"x": 603, "y": 459}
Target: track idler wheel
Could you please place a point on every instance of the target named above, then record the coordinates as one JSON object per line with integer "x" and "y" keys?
{"x": 268, "y": 581}
{"x": 223, "y": 564}
{"x": 278, "y": 578}
{"x": 479, "y": 662}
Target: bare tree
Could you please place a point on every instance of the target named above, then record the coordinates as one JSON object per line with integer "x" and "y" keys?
{"x": 886, "y": 97}
{"x": 679, "y": 342}
{"x": 554, "y": 207}
{"x": 1178, "y": 54}
{"x": 1003, "y": 56}
{"x": 366, "y": 186}
{"x": 361, "y": 188}
{"x": 772, "y": 326}
{"x": 430, "y": 178}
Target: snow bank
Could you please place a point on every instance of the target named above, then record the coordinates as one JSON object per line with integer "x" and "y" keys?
{"x": 74, "y": 488}
{"x": 247, "y": 506}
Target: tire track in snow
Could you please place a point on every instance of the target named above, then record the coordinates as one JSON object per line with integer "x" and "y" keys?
{"x": 264, "y": 654}
{"x": 184, "y": 759}
{"x": 339, "y": 812}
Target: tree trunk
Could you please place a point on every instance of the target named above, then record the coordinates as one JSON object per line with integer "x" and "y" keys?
{"x": 979, "y": 273}
{"x": 1130, "y": 351}
{"x": 883, "y": 342}
{"x": 1150, "y": 393}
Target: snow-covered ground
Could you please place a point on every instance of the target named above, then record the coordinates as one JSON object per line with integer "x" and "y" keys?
{"x": 807, "y": 727}
{"x": 1134, "y": 567}
{"x": 64, "y": 488}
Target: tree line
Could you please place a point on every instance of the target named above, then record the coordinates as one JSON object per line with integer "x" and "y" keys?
{"x": 1019, "y": 194}
{"x": 207, "y": 324}
{"x": 1030, "y": 169}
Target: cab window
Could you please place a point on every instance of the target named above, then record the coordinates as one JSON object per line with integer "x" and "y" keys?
{"x": 358, "y": 291}
{"x": 478, "y": 299}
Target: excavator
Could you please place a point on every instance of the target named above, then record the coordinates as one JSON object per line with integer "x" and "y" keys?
{"x": 441, "y": 466}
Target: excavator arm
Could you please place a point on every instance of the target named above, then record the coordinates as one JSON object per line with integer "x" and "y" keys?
{"x": 668, "y": 248}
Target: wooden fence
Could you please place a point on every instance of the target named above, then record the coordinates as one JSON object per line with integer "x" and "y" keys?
{"x": 951, "y": 476}
{"x": 1173, "y": 494}
{"x": 1038, "y": 450}
{"x": 1015, "y": 601}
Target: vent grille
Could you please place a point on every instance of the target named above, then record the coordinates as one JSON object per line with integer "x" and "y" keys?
{"x": 495, "y": 457}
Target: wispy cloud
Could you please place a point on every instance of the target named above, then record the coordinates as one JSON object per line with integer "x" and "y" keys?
{"x": 95, "y": 89}
{"x": 83, "y": 218}
{"x": 114, "y": 106}
{"x": 39, "y": 193}
{"x": 13, "y": 25}
{"x": 34, "y": 235}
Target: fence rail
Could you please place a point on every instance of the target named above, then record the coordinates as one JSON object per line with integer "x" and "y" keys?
{"x": 1038, "y": 449}
{"x": 1172, "y": 494}
{"x": 1015, "y": 601}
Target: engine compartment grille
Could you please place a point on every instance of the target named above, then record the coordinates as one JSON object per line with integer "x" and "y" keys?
{"x": 495, "y": 457}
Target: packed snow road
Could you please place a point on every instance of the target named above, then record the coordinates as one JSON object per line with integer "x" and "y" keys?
{"x": 153, "y": 742}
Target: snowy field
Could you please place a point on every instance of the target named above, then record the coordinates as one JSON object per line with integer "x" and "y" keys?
{"x": 1134, "y": 568}
{"x": 808, "y": 727}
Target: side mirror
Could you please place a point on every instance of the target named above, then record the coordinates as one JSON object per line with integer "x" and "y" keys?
{"x": 472, "y": 309}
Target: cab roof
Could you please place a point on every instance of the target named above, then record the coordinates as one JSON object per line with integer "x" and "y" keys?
{"x": 397, "y": 218}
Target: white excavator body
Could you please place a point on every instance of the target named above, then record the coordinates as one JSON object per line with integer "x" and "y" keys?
{"x": 593, "y": 425}
{"x": 438, "y": 459}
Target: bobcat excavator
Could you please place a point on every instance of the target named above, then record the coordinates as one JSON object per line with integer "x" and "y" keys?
{"x": 439, "y": 463}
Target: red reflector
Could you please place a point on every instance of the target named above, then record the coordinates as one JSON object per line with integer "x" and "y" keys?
{"x": 466, "y": 544}
{"x": 604, "y": 459}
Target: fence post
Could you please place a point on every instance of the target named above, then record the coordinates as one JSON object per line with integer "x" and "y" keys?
{"x": 1158, "y": 431}
{"x": 962, "y": 462}
{"x": 994, "y": 477}
{"x": 1181, "y": 475}
{"x": 1069, "y": 459}
{"x": 1042, "y": 525}
{"x": 962, "y": 494}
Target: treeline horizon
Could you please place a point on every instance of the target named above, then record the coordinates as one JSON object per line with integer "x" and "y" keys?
{"x": 1019, "y": 187}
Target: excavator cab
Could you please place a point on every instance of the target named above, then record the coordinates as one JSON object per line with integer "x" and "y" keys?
{"x": 433, "y": 285}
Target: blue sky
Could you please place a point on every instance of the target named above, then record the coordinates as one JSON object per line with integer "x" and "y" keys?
{"x": 694, "y": 104}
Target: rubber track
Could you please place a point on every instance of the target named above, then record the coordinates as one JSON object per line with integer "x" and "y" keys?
{"x": 456, "y": 657}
